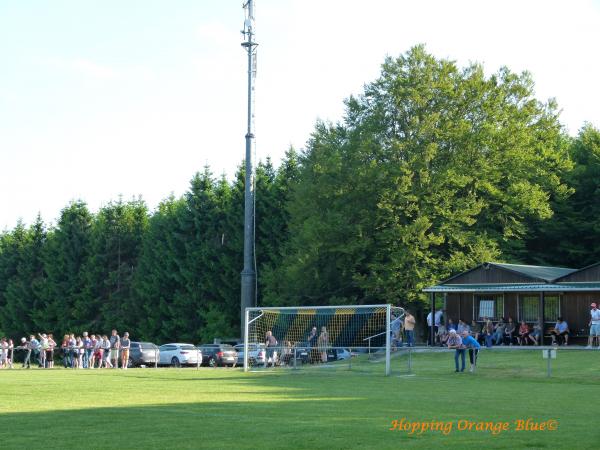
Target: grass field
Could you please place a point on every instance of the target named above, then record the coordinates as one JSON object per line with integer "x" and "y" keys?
{"x": 312, "y": 409}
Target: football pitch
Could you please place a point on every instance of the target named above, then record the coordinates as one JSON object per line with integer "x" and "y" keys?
{"x": 316, "y": 408}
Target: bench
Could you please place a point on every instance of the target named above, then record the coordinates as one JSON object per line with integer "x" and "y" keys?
{"x": 572, "y": 336}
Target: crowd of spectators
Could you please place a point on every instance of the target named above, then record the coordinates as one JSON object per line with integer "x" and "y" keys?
{"x": 504, "y": 331}
{"x": 88, "y": 351}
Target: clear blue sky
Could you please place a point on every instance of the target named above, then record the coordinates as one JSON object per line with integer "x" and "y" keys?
{"x": 101, "y": 99}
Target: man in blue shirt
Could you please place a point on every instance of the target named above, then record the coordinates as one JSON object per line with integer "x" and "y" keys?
{"x": 471, "y": 343}
{"x": 560, "y": 332}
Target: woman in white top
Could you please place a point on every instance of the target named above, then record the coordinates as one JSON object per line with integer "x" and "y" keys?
{"x": 98, "y": 351}
{"x": 79, "y": 347}
{"x": 106, "y": 354}
{"x": 43, "y": 347}
{"x": 4, "y": 353}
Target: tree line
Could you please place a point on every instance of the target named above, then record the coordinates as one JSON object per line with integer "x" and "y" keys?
{"x": 433, "y": 169}
{"x": 170, "y": 274}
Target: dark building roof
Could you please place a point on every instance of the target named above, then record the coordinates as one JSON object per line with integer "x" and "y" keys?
{"x": 548, "y": 274}
{"x": 503, "y": 277}
{"x": 493, "y": 272}
{"x": 515, "y": 287}
{"x": 588, "y": 273}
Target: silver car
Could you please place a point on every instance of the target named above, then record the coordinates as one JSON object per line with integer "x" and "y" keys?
{"x": 256, "y": 354}
{"x": 177, "y": 355}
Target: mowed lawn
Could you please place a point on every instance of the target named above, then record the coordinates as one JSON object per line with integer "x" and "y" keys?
{"x": 311, "y": 409}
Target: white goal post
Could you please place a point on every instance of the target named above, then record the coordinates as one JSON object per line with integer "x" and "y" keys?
{"x": 286, "y": 336}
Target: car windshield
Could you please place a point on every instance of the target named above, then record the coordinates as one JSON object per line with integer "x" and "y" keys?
{"x": 227, "y": 347}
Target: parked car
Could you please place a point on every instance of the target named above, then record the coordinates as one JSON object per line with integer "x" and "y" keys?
{"x": 143, "y": 353}
{"x": 214, "y": 355}
{"x": 256, "y": 354}
{"x": 305, "y": 355}
{"x": 338, "y": 354}
{"x": 177, "y": 355}
{"x": 302, "y": 352}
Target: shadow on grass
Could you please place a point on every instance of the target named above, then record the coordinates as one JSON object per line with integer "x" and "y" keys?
{"x": 282, "y": 409}
{"x": 232, "y": 425}
{"x": 324, "y": 424}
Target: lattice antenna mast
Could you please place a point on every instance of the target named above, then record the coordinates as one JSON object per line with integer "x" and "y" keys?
{"x": 249, "y": 272}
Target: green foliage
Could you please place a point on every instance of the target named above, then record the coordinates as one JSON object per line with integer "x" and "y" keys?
{"x": 115, "y": 245}
{"x": 65, "y": 256}
{"x": 22, "y": 280}
{"x": 434, "y": 169}
{"x": 156, "y": 280}
{"x": 571, "y": 238}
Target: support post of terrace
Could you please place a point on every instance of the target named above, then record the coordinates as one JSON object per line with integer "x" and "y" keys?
{"x": 432, "y": 328}
{"x": 542, "y": 319}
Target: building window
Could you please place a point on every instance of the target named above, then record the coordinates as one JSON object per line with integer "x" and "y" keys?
{"x": 551, "y": 308}
{"x": 530, "y": 308}
{"x": 490, "y": 306}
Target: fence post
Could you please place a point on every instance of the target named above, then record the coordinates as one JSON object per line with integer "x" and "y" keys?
{"x": 246, "y": 346}
{"x": 388, "y": 343}
{"x": 155, "y": 357}
{"x": 549, "y": 363}
{"x": 294, "y": 358}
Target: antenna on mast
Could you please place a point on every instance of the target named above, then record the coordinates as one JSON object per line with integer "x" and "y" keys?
{"x": 249, "y": 272}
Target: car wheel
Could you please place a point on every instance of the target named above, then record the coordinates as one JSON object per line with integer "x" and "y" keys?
{"x": 130, "y": 363}
{"x": 175, "y": 362}
{"x": 212, "y": 362}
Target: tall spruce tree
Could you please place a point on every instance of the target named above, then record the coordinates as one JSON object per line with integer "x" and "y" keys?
{"x": 65, "y": 256}
{"x": 115, "y": 245}
{"x": 156, "y": 280}
{"x": 199, "y": 266}
{"x": 22, "y": 293}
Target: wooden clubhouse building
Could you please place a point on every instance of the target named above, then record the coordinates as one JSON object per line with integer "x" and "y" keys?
{"x": 529, "y": 293}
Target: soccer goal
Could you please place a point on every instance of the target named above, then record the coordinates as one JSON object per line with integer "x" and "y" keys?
{"x": 307, "y": 336}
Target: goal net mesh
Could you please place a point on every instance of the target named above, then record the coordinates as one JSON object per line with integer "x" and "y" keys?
{"x": 296, "y": 337}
